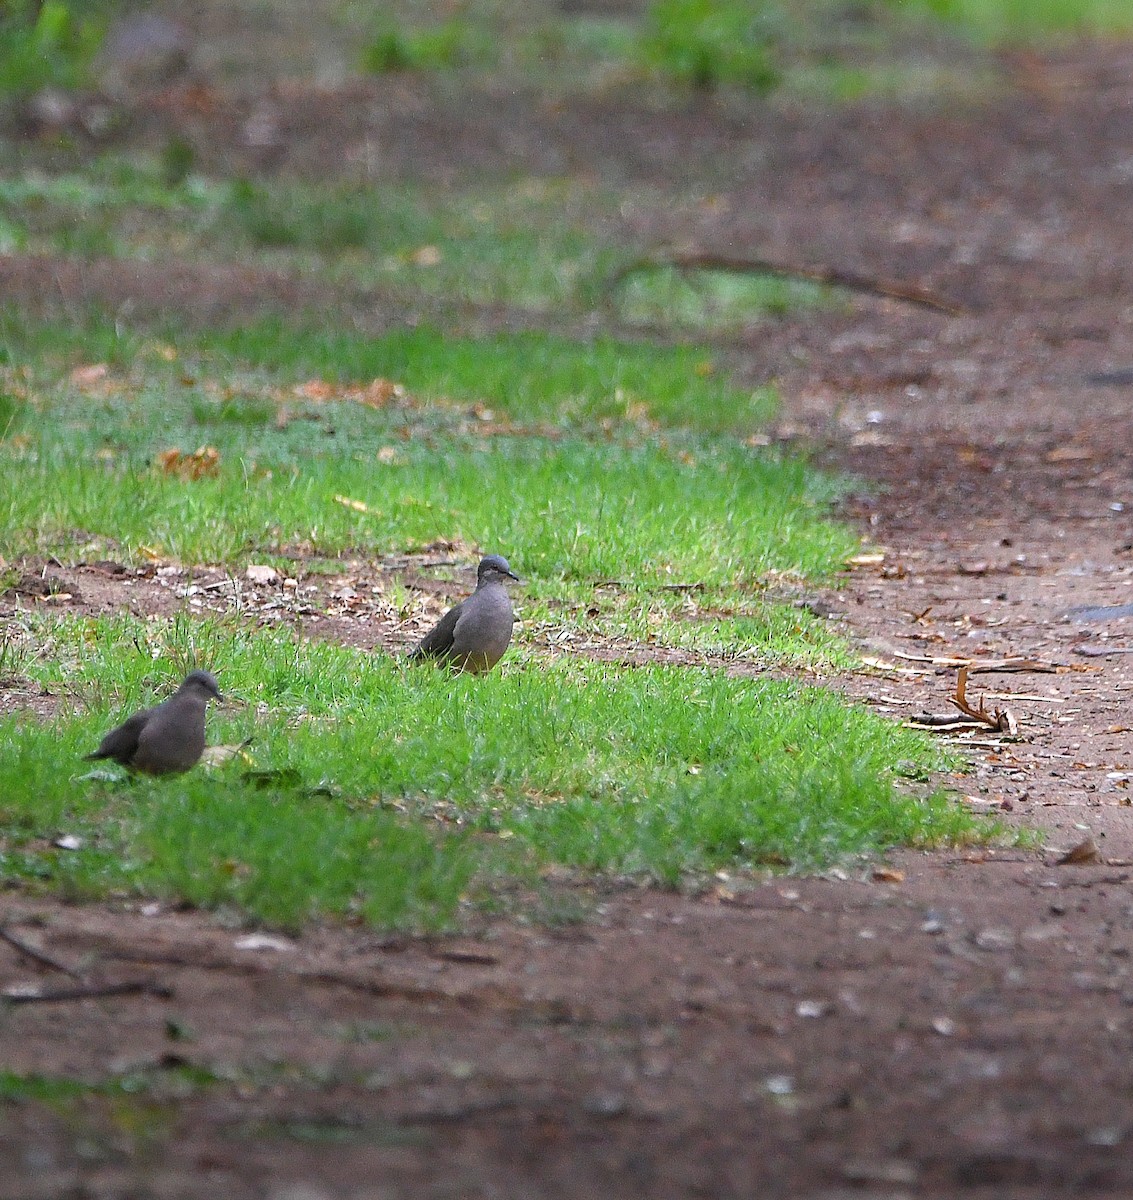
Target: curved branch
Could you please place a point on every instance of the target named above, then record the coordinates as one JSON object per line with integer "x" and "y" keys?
{"x": 889, "y": 289}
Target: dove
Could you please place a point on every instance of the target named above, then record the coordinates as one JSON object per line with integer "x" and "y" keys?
{"x": 473, "y": 635}
{"x": 168, "y": 738}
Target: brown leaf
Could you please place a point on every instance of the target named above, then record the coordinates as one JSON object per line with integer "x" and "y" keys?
{"x": 1069, "y": 454}
{"x": 316, "y": 389}
{"x": 89, "y": 375}
{"x": 378, "y": 393}
{"x": 888, "y": 875}
{"x": 205, "y": 460}
{"x": 972, "y": 457}
{"x": 217, "y": 756}
{"x": 1083, "y": 853}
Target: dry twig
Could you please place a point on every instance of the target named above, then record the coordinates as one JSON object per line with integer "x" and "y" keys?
{"x": 1002, "y": 720}
{"x": 889, "y": 289}
{"x": 90, "y": 991}
{"x": 999, "y": 720}
{"x": 44, "y": 960}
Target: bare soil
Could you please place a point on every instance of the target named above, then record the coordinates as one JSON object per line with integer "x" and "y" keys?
{"x": 960, "y": 1026}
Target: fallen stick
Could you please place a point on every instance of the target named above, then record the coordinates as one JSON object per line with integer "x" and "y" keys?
{"x": 985, "y": 666}
{"x": 44, "y": 960}
{"x": 889, "y": 289}
{"x": 1000, "y": 720}
{"x": 92, "y": 991}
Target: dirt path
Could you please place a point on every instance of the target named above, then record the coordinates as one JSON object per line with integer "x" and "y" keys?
{"x": 965, "y": 1031}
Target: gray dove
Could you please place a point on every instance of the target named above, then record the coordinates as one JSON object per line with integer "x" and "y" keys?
{"x": 474, "y": 634}
{"x": 168, "y": 738}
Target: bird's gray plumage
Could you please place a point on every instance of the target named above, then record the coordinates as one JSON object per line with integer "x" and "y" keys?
{"x": 168, "y": 738}
{"x": 473, "y": 635}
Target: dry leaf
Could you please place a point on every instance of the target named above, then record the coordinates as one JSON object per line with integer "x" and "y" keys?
{"x": 261, "y": 573}
{"x": 888, "y": 875}
{"x": 375, "y": 394}
{"x": 205, "y": 460}
{"x": 426, "y": 256}
{"x": 357, "y": 505}
{"x": 88, "y": 376}
{"x": 217, "y": 756}
{"x": 378, "y": 393}
{"x": 1084, "y": 853}
{"x": 975, "y": 458}
{"x": 1069, "y": 454}
{"x": 262, "y": 941}
{"x": 316, "y": 389}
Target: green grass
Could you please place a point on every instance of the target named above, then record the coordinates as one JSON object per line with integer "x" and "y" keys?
{"x": 450, "y": 44}
{"x": 664, "y": 296}
{"x": 524, "y": 377}
{"x": 592, "y": 496}
{"x": 48, "y": 44}
{"x": 404, "y": 790}
{"x": 542, "y": 245}
{"x": 537, "y": 244}
{"x": 705, "y": 43}
{"x": 63, "y": 1094}
{"x": 836, "y": 50}
{"x": 608, "y": 472}
{"x": 1022, "y": 20}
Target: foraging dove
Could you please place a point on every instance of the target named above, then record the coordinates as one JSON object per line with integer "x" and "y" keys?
{"x": 168, "y": 738}
{"x": 474, "y": 634}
